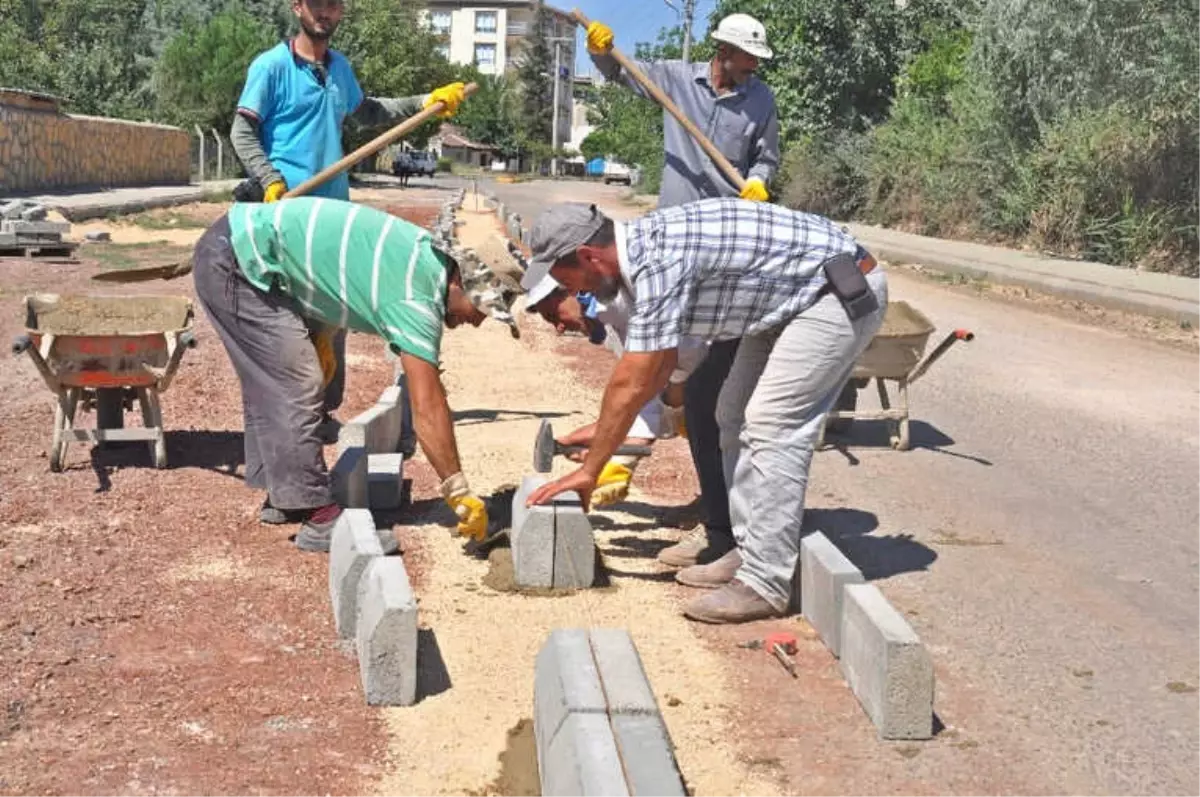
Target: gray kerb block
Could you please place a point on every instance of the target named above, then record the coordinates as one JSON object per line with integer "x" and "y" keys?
{"x": 886, "y": 665}
{"x": 385, "y": 481}
{"x": 597, "y": 726}
{"x": 377, "y": 430}
{"x": 349, "y": 478}
{"x": 552, "y": 545}
{"x": 353, "y": 546}
{"x": 824, "y": 571}
{"x": 386, "y": 633}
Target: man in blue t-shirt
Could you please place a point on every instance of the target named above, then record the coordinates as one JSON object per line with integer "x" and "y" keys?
{"x": 288, "y": 127}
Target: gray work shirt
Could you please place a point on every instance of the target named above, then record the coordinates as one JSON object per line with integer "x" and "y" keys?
{"x": 743, "y": 124}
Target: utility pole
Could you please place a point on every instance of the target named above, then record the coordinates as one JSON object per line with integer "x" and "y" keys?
{"x": 554, "y": 124}
{"x": 687, "y": 12}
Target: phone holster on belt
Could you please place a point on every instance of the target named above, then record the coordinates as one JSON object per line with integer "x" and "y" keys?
{"x": 849, "y": 284}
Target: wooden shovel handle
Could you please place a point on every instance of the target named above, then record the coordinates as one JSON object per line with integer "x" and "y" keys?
{"x": 630, "y": 66}
{"x": 373, "y": 146}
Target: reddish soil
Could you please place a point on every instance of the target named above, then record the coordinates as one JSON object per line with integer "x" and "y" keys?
{"x": 158, "y": 639}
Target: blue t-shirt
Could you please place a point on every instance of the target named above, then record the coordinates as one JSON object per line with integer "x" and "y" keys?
{"x": 300, "y": 119}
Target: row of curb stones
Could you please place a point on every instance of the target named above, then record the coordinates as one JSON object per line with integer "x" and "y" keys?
{"x": 881, "y": 656}
{"x": 371, "y": 596}
{"x": 597, "y": 726}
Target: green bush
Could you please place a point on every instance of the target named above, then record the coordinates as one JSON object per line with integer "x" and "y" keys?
{"x": 826, "y": 174}
{"x": 445, "y": 165}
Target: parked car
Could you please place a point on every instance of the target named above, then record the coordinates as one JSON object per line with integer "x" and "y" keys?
{"x": 424, "y": 163}
{"x": 408, "y": 164}
{"x": 617, "y": 172}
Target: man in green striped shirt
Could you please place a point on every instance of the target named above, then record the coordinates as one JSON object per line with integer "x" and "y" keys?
{"x": 262, "y": 270}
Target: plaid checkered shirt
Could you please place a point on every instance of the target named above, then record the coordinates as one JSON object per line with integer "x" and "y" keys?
{"x": 720, "y": 269}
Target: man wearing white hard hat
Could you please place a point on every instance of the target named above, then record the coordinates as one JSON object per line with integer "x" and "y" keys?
{"x": 737, "y": 112}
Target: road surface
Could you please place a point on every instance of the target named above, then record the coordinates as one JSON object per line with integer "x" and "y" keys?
{"x": 1041, "y": 536}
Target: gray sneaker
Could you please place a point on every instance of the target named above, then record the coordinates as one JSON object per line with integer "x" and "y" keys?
{"x": 275, "y": 516}
{"x": 316, "y": 537}
{"x": 697, "y": 547}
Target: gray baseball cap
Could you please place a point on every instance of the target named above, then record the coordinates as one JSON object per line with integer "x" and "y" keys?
{"x": 559, "y": 231}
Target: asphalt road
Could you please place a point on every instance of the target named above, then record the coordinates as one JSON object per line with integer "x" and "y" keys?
{"x": 1041, "y": 536}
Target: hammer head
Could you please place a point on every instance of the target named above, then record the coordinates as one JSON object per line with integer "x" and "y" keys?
{"x": 543, "y": 448}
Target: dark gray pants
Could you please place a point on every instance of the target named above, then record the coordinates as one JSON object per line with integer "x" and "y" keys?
{"x": 701, "y": 391}
{"x": 267, "y": 340}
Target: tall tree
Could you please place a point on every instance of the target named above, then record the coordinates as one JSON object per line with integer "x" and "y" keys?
{"x": 535, "y": 70}
{"x": 202, "y": 70}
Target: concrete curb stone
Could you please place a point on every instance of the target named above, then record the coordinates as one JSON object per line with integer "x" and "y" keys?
{"x": 386, "y": 633}
{"x": 824, "y": 571}
{"x": 353, "y": 545}
{"x": 886, "y": 665}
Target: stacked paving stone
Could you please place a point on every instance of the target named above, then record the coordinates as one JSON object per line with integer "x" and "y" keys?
{"x": 25, "y": 230}
{"x": 369, "y": 471}
{"x": 882, "y": 658}
{"x": 597, "y": 726}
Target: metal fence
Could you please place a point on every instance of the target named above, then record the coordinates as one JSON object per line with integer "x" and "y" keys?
{"x": 213, "y": 157}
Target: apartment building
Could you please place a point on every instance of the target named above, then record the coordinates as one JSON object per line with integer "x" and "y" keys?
{"x": 490, "y": 34}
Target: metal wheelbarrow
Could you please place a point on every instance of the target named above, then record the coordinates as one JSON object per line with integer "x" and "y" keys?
{"x": 895, "y": 353}
{"x": 103, "y": 352}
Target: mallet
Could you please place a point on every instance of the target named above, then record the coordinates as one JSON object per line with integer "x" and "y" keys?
{"x": 546, "y": 448}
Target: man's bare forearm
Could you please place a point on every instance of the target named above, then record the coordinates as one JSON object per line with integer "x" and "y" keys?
{"x": 431, "y": 416}
{"x": 637, "y": 377}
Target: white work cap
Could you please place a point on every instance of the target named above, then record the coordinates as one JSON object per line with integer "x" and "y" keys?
{"x": 544, "y": 287}
{"x": 745, "y": 33}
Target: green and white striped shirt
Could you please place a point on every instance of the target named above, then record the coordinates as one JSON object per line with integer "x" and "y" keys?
{"x": 347, "y": 265}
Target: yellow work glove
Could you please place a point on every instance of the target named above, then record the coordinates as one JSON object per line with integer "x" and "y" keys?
{"x": 470, "y": 509}
{"x": 613, "y": 484}
{"x": 452, "y": 95}
{"x": 322, "y": 341}
{"x": 599, "y": 38}
{"x": 275, "y": 191}
{"x": 755, "y": 190}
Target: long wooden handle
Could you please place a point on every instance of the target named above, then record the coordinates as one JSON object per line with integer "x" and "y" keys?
{"x": 630, "y": 66}
{"x": 372, "y": 146}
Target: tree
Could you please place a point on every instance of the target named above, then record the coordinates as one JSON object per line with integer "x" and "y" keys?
{"x": 203, "y": 69}
{"x": 491, "y": 114}
{"x": 836, "y": 61}
{"x": 535, "y": 68}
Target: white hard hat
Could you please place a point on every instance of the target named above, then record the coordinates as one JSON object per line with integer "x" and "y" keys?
{"x": 745, "y": 33}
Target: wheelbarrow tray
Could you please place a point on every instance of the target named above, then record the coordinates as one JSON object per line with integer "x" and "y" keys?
{"x": 895, "y": 353}
{"x": 898, "y": 345}
{"x": 107, "y": 341}
{"x": 104, "y": 352}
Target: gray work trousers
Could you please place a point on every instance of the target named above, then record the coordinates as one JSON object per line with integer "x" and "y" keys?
{"x": 268, "y": 343}
{"x": 770, "y": 412}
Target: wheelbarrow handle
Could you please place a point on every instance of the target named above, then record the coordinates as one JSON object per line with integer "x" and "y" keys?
{"x": 21, "y": 344}
{"x": 964, "y": 335}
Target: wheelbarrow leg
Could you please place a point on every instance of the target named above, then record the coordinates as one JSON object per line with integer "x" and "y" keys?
{"x": 64, "y": 421}
{"x": 901, "y": 441}
{"x": 152, "y": 419}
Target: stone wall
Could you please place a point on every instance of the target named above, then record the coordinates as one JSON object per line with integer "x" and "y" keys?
{"x": 42, "y": 149}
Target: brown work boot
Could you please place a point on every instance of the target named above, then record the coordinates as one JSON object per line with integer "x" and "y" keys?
{"x": 698, "y": 547}
{"x": 733, "y": 603}
{"x": 713, "y": 575}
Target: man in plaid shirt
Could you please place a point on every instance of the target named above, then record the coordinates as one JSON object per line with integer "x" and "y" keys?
{"x": 804, "y": 298}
